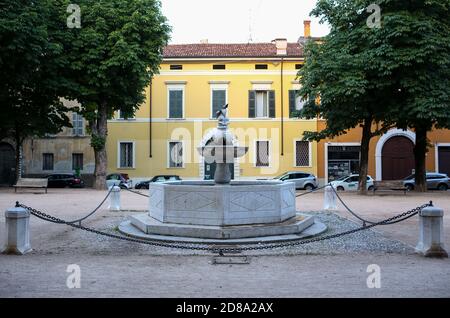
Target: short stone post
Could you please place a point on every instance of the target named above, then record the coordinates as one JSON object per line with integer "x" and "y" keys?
{"x": 329, "y": 199}
{"x": 431, "y": 232}
{"x": 17, "y": 231}
{"x": 114, "y": 199}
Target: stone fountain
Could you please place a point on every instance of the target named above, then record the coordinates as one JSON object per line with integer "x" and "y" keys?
{"x": 222, "y": 209}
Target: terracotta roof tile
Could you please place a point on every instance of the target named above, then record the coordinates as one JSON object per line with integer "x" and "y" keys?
{"x": 229, "y": 50}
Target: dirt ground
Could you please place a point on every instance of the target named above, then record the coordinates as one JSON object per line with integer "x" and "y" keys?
{"x": 124, "y": 270}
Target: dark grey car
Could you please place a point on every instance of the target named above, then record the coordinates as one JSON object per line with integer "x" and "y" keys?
{"x": 439, "y": 181}
{"x": 302, "y": 180}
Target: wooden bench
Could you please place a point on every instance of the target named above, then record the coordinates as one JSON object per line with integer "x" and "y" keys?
{"x": 31, "y": 183}
{"x": 389, "y": 185}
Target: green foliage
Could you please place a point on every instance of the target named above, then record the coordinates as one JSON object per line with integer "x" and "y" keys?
{"x": 295, "y": 114}
{"x": 32, "y": 69}
{"x": 97, "y": 142}
{"x": 341, "y": 71}
{"x": 397, "y": 75}
{"x": 115, "y": 53}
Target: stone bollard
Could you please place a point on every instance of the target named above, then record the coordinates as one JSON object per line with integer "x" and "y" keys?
{"x": 17, "y": 231}
{"x": 114, "y": 199}
{"x": 431, "y": 232}
{"x": 329, "y": 199}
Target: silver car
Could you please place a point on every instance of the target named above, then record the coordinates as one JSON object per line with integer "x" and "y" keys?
{"x": 302, "y": 180}
{"x": 439, "y": 181}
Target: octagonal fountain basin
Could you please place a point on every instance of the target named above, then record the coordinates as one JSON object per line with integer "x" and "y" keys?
{"x": 242, "y": 210}
{"x": 237, "y": 203}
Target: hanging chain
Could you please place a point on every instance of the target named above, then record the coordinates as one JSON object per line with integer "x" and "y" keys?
{"x": 221, "y": 250}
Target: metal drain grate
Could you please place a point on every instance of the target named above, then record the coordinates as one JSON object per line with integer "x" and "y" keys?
{"x": 231, "y": 259}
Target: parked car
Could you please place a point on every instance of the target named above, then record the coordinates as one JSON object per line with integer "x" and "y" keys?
{"x": 62, "y": 180}
{"x": 439, "y": 181}
{"x": 161, "y": 178}
{"x": 302, "y": 180}
{"x": 350, "y": 183}
{"x": 119, "y": 179}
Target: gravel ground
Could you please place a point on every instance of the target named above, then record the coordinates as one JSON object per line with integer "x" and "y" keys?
{"x": 51, "y": 238}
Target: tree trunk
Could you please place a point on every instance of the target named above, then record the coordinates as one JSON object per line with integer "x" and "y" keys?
{"x": 18, "y": 172}
{"x": 420, "y": 150}
{"x": 364, "y": 155}
{"x": 101, "y": 131}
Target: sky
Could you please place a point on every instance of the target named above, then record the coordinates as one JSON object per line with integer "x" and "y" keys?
{"x": 238, "y": 21}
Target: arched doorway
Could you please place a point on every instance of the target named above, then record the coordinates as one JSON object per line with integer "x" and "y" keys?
{"x": 397, "y": 158}
{"x": 7, "y": 164}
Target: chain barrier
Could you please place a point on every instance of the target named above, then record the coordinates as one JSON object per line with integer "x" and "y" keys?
{"x": 59, "y": 221}
{"x": 311, "y": 191}
{"x": 136, "y": 192}
{"x": 204, "y": 247}
{"x": 364, "y": 221}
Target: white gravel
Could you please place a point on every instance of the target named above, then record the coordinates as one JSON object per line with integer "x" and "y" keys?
{"x": 366, "y": 241}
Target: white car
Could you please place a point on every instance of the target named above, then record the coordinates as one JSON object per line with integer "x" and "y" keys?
{"x": 350, "y": 183}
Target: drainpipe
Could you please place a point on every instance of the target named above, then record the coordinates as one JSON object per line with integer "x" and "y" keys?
{"x": 282, "y": 106}
{"x": 150, "y": 119}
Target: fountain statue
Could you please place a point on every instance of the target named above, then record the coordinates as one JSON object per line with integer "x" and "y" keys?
{"x": 219, "y": 148}
{"x": 222, "y": 209}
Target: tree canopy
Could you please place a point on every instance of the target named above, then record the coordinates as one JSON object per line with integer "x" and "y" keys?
{"x": 113, "y": 56}
{"x": 32, "y": 63}
{"x": 394, "y": 75}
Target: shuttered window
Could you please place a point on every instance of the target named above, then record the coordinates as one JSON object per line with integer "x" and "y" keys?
{"x": 262, "y": 153}
{"x": 175, "y": 103}
{"x": 261, "y": 104}
{"x": 78, "y": 124}
{"x": 126, "y": 155}
{"x": 302, "y": 153}
{"x": 47, "y": 161}
{"x": 175, "y": 154}
{"x": 77, "y": 161}
{"x": 219, "y": 97}
{"x": 295, "y": 104}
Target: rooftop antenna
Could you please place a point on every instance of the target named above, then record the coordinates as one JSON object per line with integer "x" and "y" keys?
{"x": 250, "y": 37}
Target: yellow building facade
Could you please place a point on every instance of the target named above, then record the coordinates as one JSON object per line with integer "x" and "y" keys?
{"x": 257, "y": 81}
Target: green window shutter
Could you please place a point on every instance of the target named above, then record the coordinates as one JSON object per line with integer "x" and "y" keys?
{"x": 176, "y": 104}
{"x": 218, "y": 100}
{"x": 291, "y": 102}
{"x": 251, "y": 104}
{"x": 272, "y": 104}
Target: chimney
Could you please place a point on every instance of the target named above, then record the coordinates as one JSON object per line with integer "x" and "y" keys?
{"x": 281, "y": 45}
{"x": 204, "y": 41}
{"x": 307, "y": 28}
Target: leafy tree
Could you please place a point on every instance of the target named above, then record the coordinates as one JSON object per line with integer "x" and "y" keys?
{"x": 339, "y": 80}
{"x": 113, "y": 56}
{"x": 378, "y": 77}
{"x": 416, "y": 37}
{"x": 31, "y": 68}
